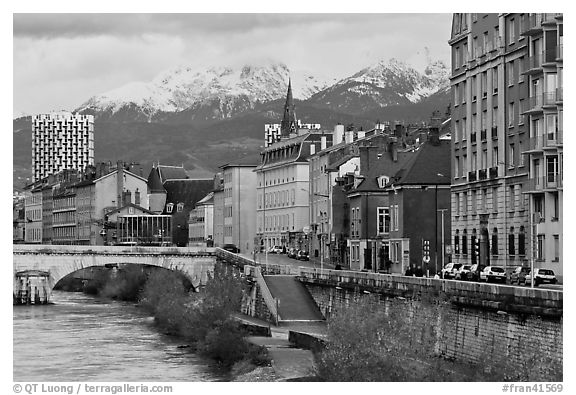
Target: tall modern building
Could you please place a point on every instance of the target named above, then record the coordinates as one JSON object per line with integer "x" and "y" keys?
{"x": 61, "y": 140}
{"x": 506, "y": 72}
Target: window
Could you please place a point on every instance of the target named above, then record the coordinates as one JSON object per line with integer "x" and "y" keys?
{"x": 474, "y": 161}
{"x": 383, "y": 220}
{"x": 463, "y": 129}
{"x": 474, "y": 88}
{"x": 494, "y": 156}
{"x": 483, "y": 125}
{"x": 483, "y": 206}
{"x": 494, "y": 246}
{"x": 169, "y": 208}
{"x": 538, "y": 208}
{"x": 396, "y": 217}
{"x": 520, "y": 111}
{"x": 512, "y": 198}
{"x": 456, "y": 131}
{"x": 511, "y": 114}
{"x": 457, "y": 167}
{"x": 511, "y": 246}
{"x": 522, "y": 241}
{"x": 457, "y": 203}
{"x": 180, "y": 207}
{"x": 465, "y": 203}
{"x": 556, "y": 206}
{"x": 511, "y": 31}
{"x": 484, "y": 83}
{"x": 551, "y": 168}
{"x": 495, "y": 80}
{"x": 510, "y": 68}
{"x": 557, "y": 248}
{"x": 521, "y": 69}
{"x": 465, "y": 243}
{"x": 474, "y": 202}
{"x": 551, "y": 127}
{"x": 511, "y": 154}
{"x": 540, "y": 253}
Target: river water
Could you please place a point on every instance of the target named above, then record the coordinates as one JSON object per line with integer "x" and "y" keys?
{"x": 85, "y": 338}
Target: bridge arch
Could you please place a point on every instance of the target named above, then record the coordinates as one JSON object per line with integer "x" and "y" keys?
{"x": 59, "y": 261}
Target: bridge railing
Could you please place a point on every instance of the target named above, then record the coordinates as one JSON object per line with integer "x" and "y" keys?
{"x": 271, "y": 302}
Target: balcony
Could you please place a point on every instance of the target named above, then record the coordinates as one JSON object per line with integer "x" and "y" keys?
{"x": 550, "y": 182}
{"x": 493, "y": 172}
{"x": 535, "y": 104}
{"x": 482, "y": 174}
{"x": 547, "y": 141}
{"x": 494, "y": 132}
{"x": 534, "y": 64}
{"x": 549, "y": 99}
{"x": 532, "y": 25}
{"x": 559, "y": 95}
{"x": 472, "y": 176}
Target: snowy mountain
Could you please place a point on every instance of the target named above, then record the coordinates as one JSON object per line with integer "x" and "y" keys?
{"x": 216, "y": 93}
{"x": 381, "y": 85}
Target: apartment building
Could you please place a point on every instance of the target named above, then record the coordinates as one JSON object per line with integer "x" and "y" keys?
{"x": 240, "y": 203}
{"x": 499, "y": 148}
{"x": 61, "y": 140}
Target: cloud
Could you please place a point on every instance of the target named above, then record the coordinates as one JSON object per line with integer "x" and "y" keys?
{"x": 60, "y": 60}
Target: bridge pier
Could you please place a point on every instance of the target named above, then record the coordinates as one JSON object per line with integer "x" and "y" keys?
{"x": 32, "y": 287}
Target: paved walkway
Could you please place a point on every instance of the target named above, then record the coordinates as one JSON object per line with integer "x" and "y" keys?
{"x": 294, "y": 300}
{"x": 288, "y": 362}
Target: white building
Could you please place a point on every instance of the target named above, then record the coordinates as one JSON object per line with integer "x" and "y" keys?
{"x": 61, "y": 140}
{"x": 201, "y": 223}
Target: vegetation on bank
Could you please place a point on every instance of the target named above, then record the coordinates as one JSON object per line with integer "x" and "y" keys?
{"x": 204, "y": 318}
{"x": 372, "y": 343}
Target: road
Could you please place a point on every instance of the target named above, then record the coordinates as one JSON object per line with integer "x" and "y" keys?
{"x": 282, "y": 259}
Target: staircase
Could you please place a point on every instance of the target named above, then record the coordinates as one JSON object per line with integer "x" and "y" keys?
{"x": 294, "y": 301}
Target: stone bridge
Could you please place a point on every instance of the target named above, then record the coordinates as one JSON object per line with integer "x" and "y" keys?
{"x": 38, "y": 268}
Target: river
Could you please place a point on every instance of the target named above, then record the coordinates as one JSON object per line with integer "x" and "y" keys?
{"x": 85, "y": 338}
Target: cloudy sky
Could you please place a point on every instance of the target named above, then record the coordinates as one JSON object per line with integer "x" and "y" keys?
{"x": 61, "y": 60}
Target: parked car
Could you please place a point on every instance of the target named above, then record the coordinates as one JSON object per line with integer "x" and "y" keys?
{"x": 302, "y": 256}
{"x": 541, "y": 276}
{"x": 519, "y": 274}
{"x": 450, "y": 270}
{"x": 292, "y": 252}
{"x": 276, "y": 250}
{"x": 462, "y": 273}
{"x": 474, "y": 273}
{"x": 231, "y": 248}
{"x": 493, "y": 274}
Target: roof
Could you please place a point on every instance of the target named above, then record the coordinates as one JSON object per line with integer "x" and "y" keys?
{"x": 208, "y": 199}
{"x": 245, "y": 161}
{"x": 188, "y": 191}
{"x": 430, "y": 165}
{"x": 117, "y": 210}
{"x": 171, "y": 173}
{"x": 154, "y": 181}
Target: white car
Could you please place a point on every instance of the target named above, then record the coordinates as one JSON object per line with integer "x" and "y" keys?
{"x": 275, "y": 250}
{"x": 462, "y": 273}
{"x": 493, "y": 274}
{"x": 541, "y": 276}
{"x": 450, "y": 270}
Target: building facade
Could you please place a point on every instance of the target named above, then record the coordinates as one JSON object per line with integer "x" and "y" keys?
{"x": 201, "y": 223}
{"x": 240, "y": 203}
{"x": 61, "y": 140}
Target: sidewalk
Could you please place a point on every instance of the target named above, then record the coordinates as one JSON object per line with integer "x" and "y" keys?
{"x": 289, "y": 363}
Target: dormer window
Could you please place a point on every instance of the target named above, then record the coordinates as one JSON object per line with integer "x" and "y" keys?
{"x": 180, "y": 207}
{"x": 169, "y": 208}
{"x": 383, "y": 181}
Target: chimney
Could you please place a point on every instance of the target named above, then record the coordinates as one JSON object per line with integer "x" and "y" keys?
{"x": 312, "y": 149}
{"x": 126, "y": 197}
{"x": 349, "y": 136}
{"x": 338, "y": 134}
{"x": 323, "y": 142}
{"x": 394, "y": 151}
{"x": 361, "y": 134}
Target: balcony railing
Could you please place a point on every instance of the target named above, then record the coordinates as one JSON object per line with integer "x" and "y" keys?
{"x": 551, "y": 181}
{"x": 535, "y": 103}
{"x": 550, "y": 140}
{"x": 559, "y": 95}
{"x": 549, "y": 98}
{"x": 482, "y": 174}
{"x": 472, "y": 176}
{"x": 532, "y": 24}
{"x": 534, "y": 63}
{"x": 493, "y": 172}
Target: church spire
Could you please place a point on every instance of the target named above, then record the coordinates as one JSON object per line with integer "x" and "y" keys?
{"x": 289, "y": 120}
